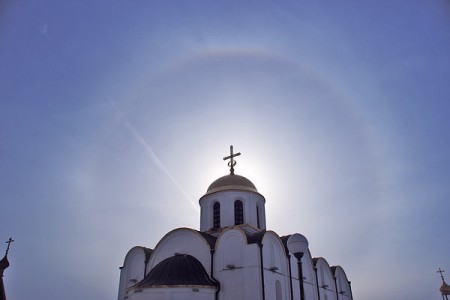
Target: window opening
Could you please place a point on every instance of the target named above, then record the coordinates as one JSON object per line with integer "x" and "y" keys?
{"x": 257, "y": 217}
{"x": 279, "y": 296}
{"x": 238, "y": 212}
{"x": 216, "y": 215}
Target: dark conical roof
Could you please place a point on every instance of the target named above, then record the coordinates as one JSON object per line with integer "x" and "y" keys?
{"x": 445, "y": 288}
{"x": 4, "y": 263}
{"x": 231, "y": 182}
{"x": 178, "y": 270}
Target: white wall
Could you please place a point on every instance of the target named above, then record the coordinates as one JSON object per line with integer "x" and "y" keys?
{"x": 242, "y": 282}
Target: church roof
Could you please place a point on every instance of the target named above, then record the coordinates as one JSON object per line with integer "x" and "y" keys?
{"x": 445, "y": 288}
{"x": 231, "y": 182}
{"x": 254, "y": 235}
{"x": 333, "y": 270}
{"x": 210, "y": 239}
{"x": 178, "y": 270}
{"x": 4, "y": 263}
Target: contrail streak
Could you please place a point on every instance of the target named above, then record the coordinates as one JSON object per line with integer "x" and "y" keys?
{"x": 140, "y": 139}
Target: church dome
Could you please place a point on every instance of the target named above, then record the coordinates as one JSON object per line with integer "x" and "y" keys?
{"x": 231, "y": 182}
{"x": 178, "y": 270}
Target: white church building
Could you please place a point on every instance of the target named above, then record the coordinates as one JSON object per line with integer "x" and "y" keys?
{"x": 232, "y": 257}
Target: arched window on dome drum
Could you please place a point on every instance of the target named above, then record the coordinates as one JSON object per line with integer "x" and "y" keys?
{"x": 238, "y": 212}
{"x": 216, "y": 215}
{"x": 257, "y": 217}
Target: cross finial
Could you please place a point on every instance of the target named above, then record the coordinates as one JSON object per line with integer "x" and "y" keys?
{"x": 9, "y": 244}
{"x": 441, "y": 271}
{"x": 232, "y": 162}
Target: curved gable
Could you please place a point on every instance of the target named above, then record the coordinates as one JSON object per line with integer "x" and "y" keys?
{"x": 274, "y": 252}
{"x": 230, "y": 248}
{"x": 236, "y": 265}
{"x": 342, "y": 284}
{"x": 182, "y": 241}
{"x": 325, "y": 279}
{"x": 137, "y": 251}
{"x": 134, "y": 268}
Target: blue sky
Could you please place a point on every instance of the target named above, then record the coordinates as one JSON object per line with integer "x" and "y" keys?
{"x": 115, "y": 116}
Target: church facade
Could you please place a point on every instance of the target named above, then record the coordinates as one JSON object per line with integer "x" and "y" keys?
{"x": 232, "y": 257}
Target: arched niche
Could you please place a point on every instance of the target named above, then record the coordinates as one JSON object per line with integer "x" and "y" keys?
{"x": 343, "y": 287}
{"x": 276, "y": 266}
{"x": 325, "y": 279}
{"x": 133, "y": 269}
{"x": 274, "y": 253}
{"x": 230, "y": 249}
{"x": 233, "y": 265}
{"x": 182, "y": 241}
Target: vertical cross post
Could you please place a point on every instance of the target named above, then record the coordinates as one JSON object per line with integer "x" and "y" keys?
{"x": 232, "y": 162}
{"x": 441, "y": 271}
{"x": 444, "y": 296}
{"x": 9, "y": 244}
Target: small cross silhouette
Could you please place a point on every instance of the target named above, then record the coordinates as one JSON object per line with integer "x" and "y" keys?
{"x": 232, "y": 162}
{"x": 441, "y": 271}
{"x": 9, "y": 244}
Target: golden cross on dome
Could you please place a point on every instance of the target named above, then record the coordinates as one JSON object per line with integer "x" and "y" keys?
{"x": 9, "y": 244}
{"x": 232, "y": 162}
